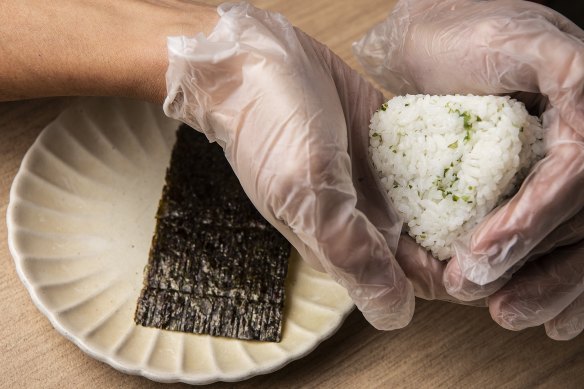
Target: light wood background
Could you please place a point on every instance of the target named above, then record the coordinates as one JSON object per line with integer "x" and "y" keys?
{"x": 445, "y": 346}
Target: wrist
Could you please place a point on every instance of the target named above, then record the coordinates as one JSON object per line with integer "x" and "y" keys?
{"x": 146, "y": 62}
{"x": 108, "y": 48}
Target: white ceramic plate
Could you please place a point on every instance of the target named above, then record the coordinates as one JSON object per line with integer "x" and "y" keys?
{"x": 80, "y": 223}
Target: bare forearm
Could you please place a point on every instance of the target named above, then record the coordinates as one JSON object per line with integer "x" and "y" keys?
{"x": 58, "y": 48}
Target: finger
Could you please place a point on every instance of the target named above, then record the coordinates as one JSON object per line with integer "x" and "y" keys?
{"x": 372, "y": 199}
{"x": 559, "y": 74}
{"x": 566, "y": 25}
{"x": 425, "y": 272}
{"x": 568, "y": 233}
{"x": 542, "y": 289}
{"x": 322, "y": 223}
{"x": 364, "y": 265}
{"x": 322, "y": 213}
{"x": 380, "y": 45}
{"x": 569, "y": 323}
{"x": 531, "y": 48}
{"x": 462, "y": 289}
{"x": 459, "y": 287}
{"x": 549, "y": 196}
{"x": 359, "y": 100}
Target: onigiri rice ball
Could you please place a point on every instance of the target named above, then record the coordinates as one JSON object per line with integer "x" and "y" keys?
{"x": 447, "y": 161}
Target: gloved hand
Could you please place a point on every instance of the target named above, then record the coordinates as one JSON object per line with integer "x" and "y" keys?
{"x": 293, "y": 120}
{"x": 537, "y": 55}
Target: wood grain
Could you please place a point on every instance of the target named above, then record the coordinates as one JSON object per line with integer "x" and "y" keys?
{"x": 445, "y": 346}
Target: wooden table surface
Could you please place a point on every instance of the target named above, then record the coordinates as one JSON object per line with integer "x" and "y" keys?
{"x": 446, "y": 345}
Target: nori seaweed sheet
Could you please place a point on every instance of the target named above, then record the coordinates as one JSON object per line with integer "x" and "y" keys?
{"x": 216, "y": 266}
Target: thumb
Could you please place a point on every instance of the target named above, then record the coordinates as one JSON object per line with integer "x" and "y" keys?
{"x": 357, "y": 256}
{"x": 325, "y": 223}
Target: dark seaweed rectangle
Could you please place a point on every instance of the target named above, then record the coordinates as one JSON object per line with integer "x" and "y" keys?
{"x": 212, "y": 315}
{"x": 215, "y": 266}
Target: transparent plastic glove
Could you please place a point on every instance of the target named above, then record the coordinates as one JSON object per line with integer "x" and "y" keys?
{"x": 426, "y": 273}
{"x": 537, "y": 55}
{"x": 293, "y": 119}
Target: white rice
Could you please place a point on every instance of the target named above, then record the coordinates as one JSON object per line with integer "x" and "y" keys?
{"x": 447, "y": 161}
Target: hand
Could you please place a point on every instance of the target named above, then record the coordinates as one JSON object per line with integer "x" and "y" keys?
{"x": 280, "y": 105}
{"x": 536, "y": 55}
